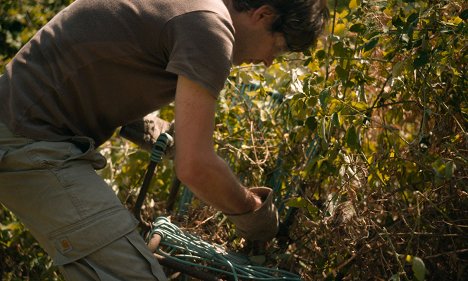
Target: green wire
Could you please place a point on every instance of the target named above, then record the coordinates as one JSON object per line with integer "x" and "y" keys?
{"x": 197, "y": 253}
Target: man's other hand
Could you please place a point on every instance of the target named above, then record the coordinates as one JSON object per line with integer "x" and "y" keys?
{"x": 260, "y": 224}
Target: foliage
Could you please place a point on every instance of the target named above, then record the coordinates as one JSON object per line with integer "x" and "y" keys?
{"x": 364, "y": 140}
{"x": 20, "y": 20}
{"x": 369, "y": 134}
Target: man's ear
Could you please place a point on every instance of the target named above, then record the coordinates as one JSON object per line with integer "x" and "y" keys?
{"x": 264, "y": 14}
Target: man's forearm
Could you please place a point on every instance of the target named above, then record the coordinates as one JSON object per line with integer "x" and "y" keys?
{"x": 197, "y": 164}
{"x": 212, "y": 181}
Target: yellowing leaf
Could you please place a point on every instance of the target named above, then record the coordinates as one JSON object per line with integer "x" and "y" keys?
{"x": 397, "y": 69}
{"x": 353, "y": 4}
{"x": 251, "y": 93}
{"x": 342, "y": 15}
{"x": 456, "y": 20}
{"x": 11, "y": 227}
{"x": 388, "y": 12}
{"x": 360, "y": 105}
{"x": 339, "y": 28}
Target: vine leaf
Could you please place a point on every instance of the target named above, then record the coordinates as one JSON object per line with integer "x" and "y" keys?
{"x": 352, "y": 138}
{"x": 419, "y": 269}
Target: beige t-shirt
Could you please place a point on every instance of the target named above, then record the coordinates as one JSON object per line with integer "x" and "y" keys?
{"x": 101, "y": 64}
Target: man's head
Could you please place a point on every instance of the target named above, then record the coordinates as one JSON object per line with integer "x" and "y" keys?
{"x": 294, "y": 25}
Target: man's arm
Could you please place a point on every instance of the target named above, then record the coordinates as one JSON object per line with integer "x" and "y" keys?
{"x": 197, "y": 164}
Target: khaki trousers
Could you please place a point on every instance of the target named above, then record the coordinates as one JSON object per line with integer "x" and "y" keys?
{"x": 52, "y": 187}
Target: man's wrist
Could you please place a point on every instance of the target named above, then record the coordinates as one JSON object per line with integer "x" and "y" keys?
{"x": 255, "y": 201}
{"x": 252, "y": 203}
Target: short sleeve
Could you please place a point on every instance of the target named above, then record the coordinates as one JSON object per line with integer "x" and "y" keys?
{"x": 200, "y": 47}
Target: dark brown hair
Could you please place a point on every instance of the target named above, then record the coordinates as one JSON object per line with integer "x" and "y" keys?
{"x": 301, "y": 21}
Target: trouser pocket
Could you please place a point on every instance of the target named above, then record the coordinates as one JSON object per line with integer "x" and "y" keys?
{"x": 126, "y": 258}
{"x": 55, "y": 191}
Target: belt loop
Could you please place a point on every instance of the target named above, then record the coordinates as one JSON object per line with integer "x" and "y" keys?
{"x": 85, "y": 144}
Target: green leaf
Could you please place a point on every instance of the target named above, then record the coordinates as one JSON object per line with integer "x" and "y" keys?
{"x": 320, "y": 54}
{"x": 419, "y": 269}
{"x": 371, "y": 44}
{"x": 464, "y": 14}
{"x": 301, "y": 203}
{"x": 449, "y": 169}
{"x": 421, "y": 60}
{"x": 298, "y": 202}
{"x": 397, "y": 68}
{"x": 324, "y": 97}
{"x": 358, "y": 28}
{"x": 412, "y": 19}
{"x": 335, "y": 119}
{"x": 339, "y": 49}
{"x": 397, "y": 22}
{"x": 352, "y": 138}
{"x": 342, "y": 73}
{"x": 311, "y": 123}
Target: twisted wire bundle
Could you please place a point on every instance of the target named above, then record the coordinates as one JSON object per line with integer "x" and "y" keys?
{"x": 192, "y": 251}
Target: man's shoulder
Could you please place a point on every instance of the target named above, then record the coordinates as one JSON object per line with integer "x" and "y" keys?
{"x": 171, "y": 8}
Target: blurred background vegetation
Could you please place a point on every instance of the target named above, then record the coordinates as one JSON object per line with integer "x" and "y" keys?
{"x": 364, "y": 140}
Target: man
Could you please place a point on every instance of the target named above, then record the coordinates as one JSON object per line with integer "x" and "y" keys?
{"x": 99, "y": 65}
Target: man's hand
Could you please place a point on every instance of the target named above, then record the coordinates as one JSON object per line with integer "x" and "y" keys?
{"x": 146, "y": 131}
{"x": 260, "y": 224}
